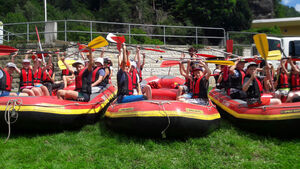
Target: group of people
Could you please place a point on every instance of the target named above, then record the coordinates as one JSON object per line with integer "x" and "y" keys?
{"x": 259, "y": 84}
{"x": 39, "y": 79}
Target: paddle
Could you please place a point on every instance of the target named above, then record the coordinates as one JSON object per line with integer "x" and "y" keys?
{"x": 262, "y": 47}
{"x": 84, "y": 47}
{"x": 219, "y": 62}
{"x": 169, "y": 63}
{"x": 198, "y": 54}
{"x": 7, "y": 50}
{"x": 94, "y": 44}
{"x": 229, "y": 45}
{"x": 39, "y": 41}
{"x": 62, "y": 66}
{"x": 221, "y": 51}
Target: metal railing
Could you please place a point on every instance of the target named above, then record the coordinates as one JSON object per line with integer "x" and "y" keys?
{"x": 76, "y": 30}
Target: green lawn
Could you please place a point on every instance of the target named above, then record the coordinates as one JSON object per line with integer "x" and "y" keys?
{"x": 96, "y": 147}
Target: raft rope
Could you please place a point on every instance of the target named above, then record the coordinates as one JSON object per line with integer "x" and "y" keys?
{"x": 161, "y": 105}
{"x": 11, "y": 113}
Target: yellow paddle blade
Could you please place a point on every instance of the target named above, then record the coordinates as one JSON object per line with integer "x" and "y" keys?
{"x": 98, "y": 43}
{"x": 274, "y": 55}
{"x": 62, "y": 66}
{"x": 262, "y": 44}
{"x": 220, "y": 62}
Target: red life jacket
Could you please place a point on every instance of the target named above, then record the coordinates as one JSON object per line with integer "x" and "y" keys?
{"x": 26, "y": 77}
{"x": 37, "y": 78}
{"x": 45, "y": 77}
{"x": 255, "y": 90}
{"x": 83, "y": 81}
{"x": 199, "y": 89}
{"x": 295, "y": 82}
{"x": 95, "y": 74}
{"x": 5, "y": 80}
{"x": 66, "y": 72}
{"x": 133, "y": 75}
{"x": 129, "y": 85}
{"x": 283, "y": 81}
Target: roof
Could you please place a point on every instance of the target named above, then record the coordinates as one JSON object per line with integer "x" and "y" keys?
{"x": 293, "y": 21}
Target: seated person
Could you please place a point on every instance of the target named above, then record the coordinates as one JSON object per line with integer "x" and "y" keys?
{"x": 282, "y": 81}
{"x": 125, "y": 82}
{"x": 200, "y": 81}
{"x": 294, "y": 82}
{"x": 254, "y": 89}
{"x": 99, "y": 80}
{"x": 82, "y": 80}
{"x": 235, "y": 80}
{"x": 6, "y": 80}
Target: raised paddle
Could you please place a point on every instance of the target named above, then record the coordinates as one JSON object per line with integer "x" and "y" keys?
{"x": 94, "y": 44}
{"x": 40, "y": 45}
{"x": 262, "y": 45}
{"x": 169, "y": 63}
{"x": 7, "y": 50}
{"x": 218, "y": 62}
{"x": 229, "y": 45}
{"x": 198, "y": 54}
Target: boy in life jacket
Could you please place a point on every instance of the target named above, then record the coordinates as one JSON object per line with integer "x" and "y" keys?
{"x": 83, "y": 76}
{"x": 294, "y": 82}
{"x": 125, "y": 82}
{"x": 236, "y": 78}
{"x": 282, "y": 81}
{"x": 201, "y": 81}
{"x": 99, "y": 80}
{"x": 253, "y": 88}
{"x": 6, "y": 80}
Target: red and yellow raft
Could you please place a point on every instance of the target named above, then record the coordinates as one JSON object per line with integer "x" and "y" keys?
{"x": 163, "y": 116}
{"x": 283, "y": 119}
{"x": 45, "y": 113}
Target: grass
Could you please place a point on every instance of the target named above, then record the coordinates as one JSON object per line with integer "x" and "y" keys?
{"x": 96, "y": 147}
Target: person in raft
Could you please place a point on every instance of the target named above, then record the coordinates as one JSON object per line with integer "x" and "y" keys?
{"x": 6, "y": 80}
{"x": 83, "y": 76}
{"x": 236, "y": 77}
{"x": 294, "y": 94}
{"x": 99, "y": 80}
{"x": 253, "y": 88}
{"x": 282, "y": 81}
{"x": 125, "y": 82}
{"x": 201, "y": 74}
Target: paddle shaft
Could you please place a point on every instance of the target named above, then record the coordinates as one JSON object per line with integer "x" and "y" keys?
{"x": 38, "y": 36}
{"x": 221, "y": 51}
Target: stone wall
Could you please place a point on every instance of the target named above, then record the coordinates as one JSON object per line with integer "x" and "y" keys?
{"x": 151, "y": 68}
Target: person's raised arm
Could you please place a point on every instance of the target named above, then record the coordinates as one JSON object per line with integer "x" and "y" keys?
{"x": 247, "y": 84}
{"x": 232, "y": 68}
{"x": 102, "y": 53}
{"x": 62, "y": 58}
{"x": 206, "y": 69}
{"x": 294, "y": 67}
{"x": 91, "y": 61}
{"x": 124, "y": 59}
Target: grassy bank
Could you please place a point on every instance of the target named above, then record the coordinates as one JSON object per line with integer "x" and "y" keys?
{"x": 96, "y": 147}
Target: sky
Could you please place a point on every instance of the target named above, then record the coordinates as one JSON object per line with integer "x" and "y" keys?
{"x": 292, "y": 3}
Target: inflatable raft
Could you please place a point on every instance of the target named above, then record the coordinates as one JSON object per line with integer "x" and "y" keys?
{"x": 163, "y": 116}
{"x": 281, "y": 119}
{"x": 44, "y": 113}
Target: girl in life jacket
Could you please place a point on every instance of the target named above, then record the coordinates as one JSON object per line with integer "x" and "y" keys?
{"x": 99, "y": 80}
{"x": 282, "y": 81}
{"x": 37, "y": 77}
{"x": 200, "y": 81}
{"x": 185, "y": 91}
{"x": 294, "y": 93}
{"x": 125, "y": 80}
{"x": 6, "y": 80}
{"x": 253, "y": 88}
{"x": 83, "y": 76}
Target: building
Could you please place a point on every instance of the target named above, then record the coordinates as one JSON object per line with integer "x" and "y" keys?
{"x": 288, "y": 26}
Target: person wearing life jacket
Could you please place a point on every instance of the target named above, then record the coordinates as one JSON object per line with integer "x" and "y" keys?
{"x": 83, "y": 81}
{"x": 253, "y": 88}
{"x": 6, "y": 80}
{"x": 125, "y": 82}
{"x": 108, "y": 69}
{"x": 184, "y": 91}
{"x": 98, "y": 74}
{"x": 201, "y": 74}
{"x": 220, "y": 83}
{"x": 294, "y": 82}
{"x": 282, "y": 82}
{"x": 235, "y": 80}
{"x": 37, "y": 77}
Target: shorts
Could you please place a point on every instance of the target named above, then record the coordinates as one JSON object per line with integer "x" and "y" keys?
{"x": 4, "y": 93}
{"x": 185, "y": 89}
{"x": 131, "y": 98}
{"x": 84, "y": 97}
{"x": 97, "y": 89}
{"x": 282, "y": 92}
{"x": 187, "y": 95}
